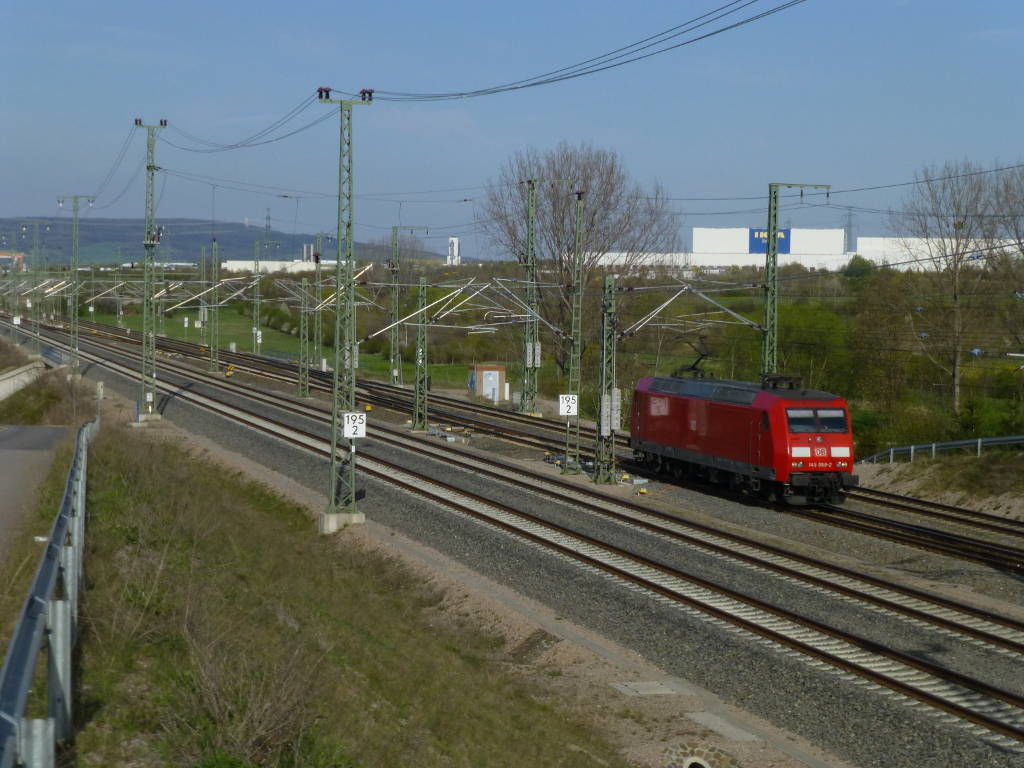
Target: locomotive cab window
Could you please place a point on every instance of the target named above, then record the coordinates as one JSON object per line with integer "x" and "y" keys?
{"x": 801, "y": 420}
{"x": 832, "y": 420}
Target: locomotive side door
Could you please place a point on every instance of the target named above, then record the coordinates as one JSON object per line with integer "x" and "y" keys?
{"x": 758, "y": 437}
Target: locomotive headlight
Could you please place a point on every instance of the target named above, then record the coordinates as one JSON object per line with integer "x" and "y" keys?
{"x": 842, "y": 464}
{"x": 798, "y": 464}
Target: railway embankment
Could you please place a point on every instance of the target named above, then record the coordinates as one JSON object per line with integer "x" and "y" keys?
{"x": 219, "y": 631}
{"x": 993, "y": 482}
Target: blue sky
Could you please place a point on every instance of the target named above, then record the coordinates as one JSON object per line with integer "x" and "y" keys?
{"x": 847, "y": 92}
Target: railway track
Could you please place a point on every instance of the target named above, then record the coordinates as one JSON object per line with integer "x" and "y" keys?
{"x": 524, "y": 430}
{"x": 995, "y": 713}
{"x": 997, "y": 631}
{"x": 943, "y": 542}
{"x": 971, "y": 518}
{"x": 993, "y": 554}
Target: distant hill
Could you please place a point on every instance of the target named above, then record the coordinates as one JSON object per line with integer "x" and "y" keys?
{"x": 112, "y": 241}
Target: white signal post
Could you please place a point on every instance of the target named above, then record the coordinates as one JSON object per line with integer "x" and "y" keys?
{"x": 353, "y": 426}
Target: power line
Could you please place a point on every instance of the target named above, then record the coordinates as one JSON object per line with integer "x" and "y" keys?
{"x": 254, "y": 188}
{"x": 131, "y": 181}
{"x": 257, "y": 139}
{"x": 873, "y": 188}
{"x": 117, "y": 162}
{"x": 610, "y": 60}
{"x": 294, "y": 112}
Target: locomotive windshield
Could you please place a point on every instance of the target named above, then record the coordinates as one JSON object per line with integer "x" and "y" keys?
{"x": 803, "y": 420}
{"x": 832, "y": 420}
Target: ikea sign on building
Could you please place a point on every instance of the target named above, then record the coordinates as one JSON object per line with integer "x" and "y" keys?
{"x": 759, "y": 240}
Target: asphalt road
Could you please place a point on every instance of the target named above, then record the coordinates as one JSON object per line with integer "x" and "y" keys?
{"x": 25, "y": 457}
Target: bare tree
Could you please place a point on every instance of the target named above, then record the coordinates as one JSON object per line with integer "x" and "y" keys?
{"x": 1006, "y": 266}
{"x": 621, "y": 216}
{"x": 947, "y": 226}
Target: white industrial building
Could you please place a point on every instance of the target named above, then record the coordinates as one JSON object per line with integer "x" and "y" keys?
{"x": 920, "y": 252}
{"x": 271, "y": 266}
{"x": 716, "y": 249}
{"x": 453, "y": 259}
{"x": 623, "y": 260}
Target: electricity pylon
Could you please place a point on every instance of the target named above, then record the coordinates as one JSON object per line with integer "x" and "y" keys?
{"x": 531, "y": 330}
{"x": 263, "y": 245}
{"x": 213, "y": 315}
{"x": 770, "y": 339}
{"x": 150, "y": 240}
{"x": 256, "y": 298}
{"x": 571, "y": 465}
{"x": 419, "y": 411}
{"x": 203, "y": 286}
{"x": 74, "y": 288}
{"x": 12, "y": 294}
{"x": 396, "y": 306}
{"x": 342, "y": 492}
{"x": 610, "y": 404}
{"x": 35, "y": 303}
{"x": 318, "y": 314}
{"x": 302, "y": 384}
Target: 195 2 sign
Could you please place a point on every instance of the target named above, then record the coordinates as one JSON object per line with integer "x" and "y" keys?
{"x": 353, "y": 425}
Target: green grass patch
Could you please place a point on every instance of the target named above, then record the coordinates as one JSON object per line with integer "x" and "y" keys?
{"x": 996, "y": 472}
{"x": 233, "y": 328}
{"x": 220, "y": 630}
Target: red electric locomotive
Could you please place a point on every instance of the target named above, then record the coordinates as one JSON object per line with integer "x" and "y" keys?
{"x": 774, "y": 438}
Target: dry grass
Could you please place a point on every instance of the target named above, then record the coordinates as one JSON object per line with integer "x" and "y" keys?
{"x": 221, "y": 632}
{"x": 48, "y": 401}
{"x": 11, "y": 356}
{"x": 994, "y": 473}
{"x": 18, "y": 567}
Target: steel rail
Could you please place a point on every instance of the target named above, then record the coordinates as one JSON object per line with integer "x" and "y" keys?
{"x": 388, "y": 397}
{"x": 918, "y": 536}
{"x": 961, "y": 515}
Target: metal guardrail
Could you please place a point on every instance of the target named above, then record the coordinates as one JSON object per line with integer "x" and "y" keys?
{"x": 48, "y": 620}
{"x": 976, "y": 444}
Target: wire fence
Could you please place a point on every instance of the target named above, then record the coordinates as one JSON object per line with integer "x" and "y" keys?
{"x": 975, "y": 445}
